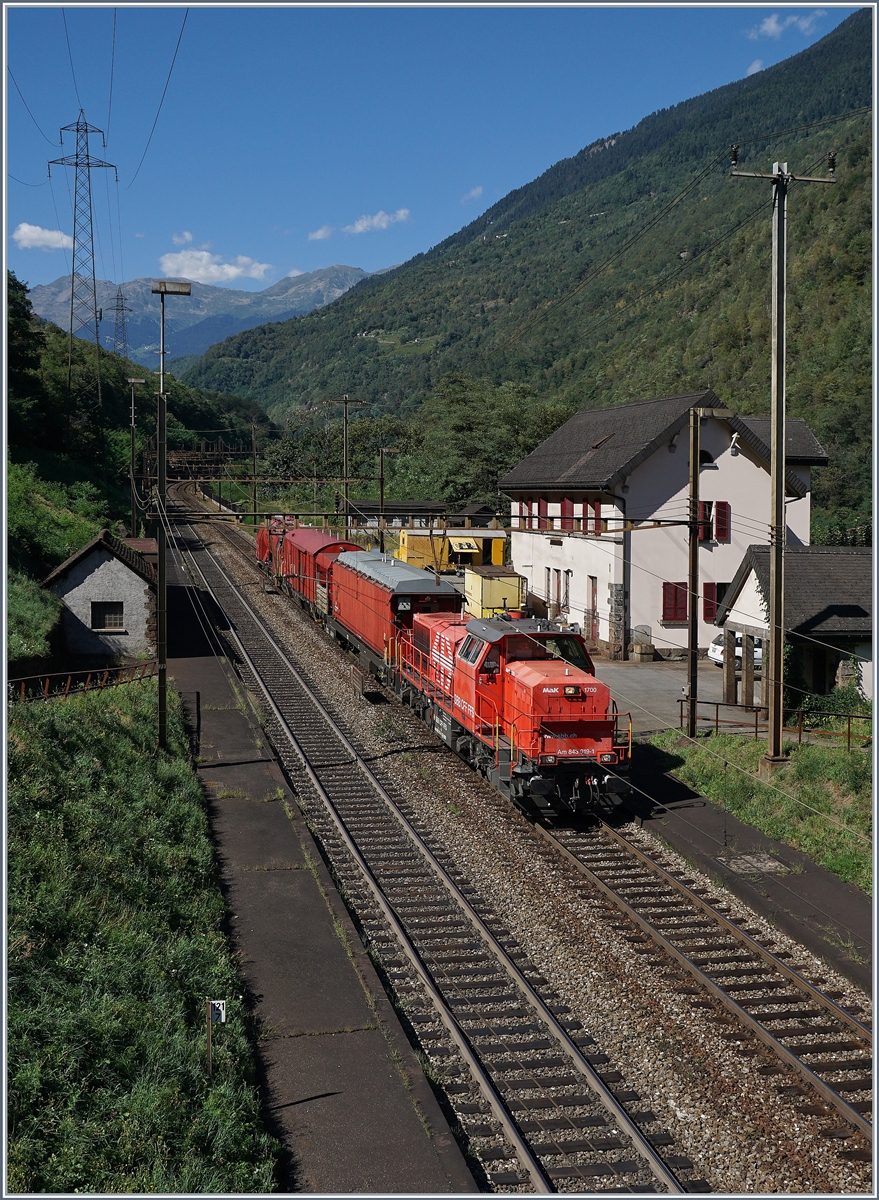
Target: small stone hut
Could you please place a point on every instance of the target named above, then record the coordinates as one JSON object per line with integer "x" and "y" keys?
{"x": 109, "y": 595}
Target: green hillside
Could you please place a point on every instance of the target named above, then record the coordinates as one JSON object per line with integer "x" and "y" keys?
{"x": 67, "y": 475}
{"x": 527, "y": 295}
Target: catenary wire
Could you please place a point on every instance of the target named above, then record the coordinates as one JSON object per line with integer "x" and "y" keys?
{"x": 29, "y": 113}
{"x": 162, "y": 101}
{"x": 67, "y": 266}
{"x": 70, "y": 56}
{"x": 22, "y": 182}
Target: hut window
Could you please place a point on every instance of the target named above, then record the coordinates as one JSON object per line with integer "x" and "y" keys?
{"x": 108, "y": 614}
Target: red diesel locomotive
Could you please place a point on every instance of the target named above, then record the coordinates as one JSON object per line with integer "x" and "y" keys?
{"x": 517, "y": 699}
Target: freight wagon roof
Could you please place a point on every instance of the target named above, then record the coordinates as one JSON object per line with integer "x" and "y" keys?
{"x": 392, "y": 574}
{"x": 313, "y": 540}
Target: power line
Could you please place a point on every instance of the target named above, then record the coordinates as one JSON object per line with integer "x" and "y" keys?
{"x": 22, "y": 182}
{"x": 112, "y": 67}
{"x": 58, "y": 219}
{"x": 70, "y": 56}
{"x": 32, "y": 117}
{"x": 162, "y": 101}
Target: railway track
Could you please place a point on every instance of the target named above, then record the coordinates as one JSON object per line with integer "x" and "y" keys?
{"x": 501, "y": 1021}
{"x": 539, "y": 1104}
{"x": 803, "y": 1026}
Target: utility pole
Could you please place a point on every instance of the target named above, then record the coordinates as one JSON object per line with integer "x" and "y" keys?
{"x": 773, "y": 669}
{"x": 133, "y": 461}
{"x": 253, "y": 448}
{"x": 163, "y": 287}
{"x": 84, "y": 311}
{"x": 381, "y": 495}
{"x": 693, "y": 581}
{"x": 345, "y": 502}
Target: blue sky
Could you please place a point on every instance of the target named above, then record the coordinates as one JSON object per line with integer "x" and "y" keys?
{"x": 292, "y": 138}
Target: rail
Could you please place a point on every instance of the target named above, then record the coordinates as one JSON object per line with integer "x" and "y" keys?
{"x": 803, "y": 720}
{"x": 39, "y": 687}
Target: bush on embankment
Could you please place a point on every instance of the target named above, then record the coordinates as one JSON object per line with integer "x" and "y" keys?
{"x": 115, "y": 944}
{"x": 820, "y": 804}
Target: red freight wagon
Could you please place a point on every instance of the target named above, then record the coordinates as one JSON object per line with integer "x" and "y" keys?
{"x": 306, "y": 561}
{"x": 268, "y": 543}
{"x": 375, "y": 598}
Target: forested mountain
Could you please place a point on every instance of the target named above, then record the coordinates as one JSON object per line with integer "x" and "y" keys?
{"x": 208, "y": 316}
{"x": 635, "y": 269}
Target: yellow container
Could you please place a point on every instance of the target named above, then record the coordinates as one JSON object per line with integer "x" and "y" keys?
{"x": 448, "y": 549}
{"x": 492, "y": 590}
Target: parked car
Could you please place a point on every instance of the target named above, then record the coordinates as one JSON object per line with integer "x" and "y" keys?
{"x": 715, "y": 651}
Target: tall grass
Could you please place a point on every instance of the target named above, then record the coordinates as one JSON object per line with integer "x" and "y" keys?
{"x": 32, "y": 616}
{"x": 820, "y": 803}
{"x": 115, "y": 943}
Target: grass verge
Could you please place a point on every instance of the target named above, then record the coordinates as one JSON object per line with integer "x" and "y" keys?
{"x": 820, "y": 804}
{"x": 115, "y": 943}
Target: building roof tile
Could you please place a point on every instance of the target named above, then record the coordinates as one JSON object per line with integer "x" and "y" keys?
{"x": 105, "y": 541}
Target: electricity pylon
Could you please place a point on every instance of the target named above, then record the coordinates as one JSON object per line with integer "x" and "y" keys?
{"x": 84, "y": 312}
{"x": 120, "y": 341}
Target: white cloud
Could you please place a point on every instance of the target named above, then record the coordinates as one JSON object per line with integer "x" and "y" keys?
{"x": 756, "y": 65}
{"x": 292, "y": 273}
{"x": 321, "y": 234}
{"x": 34, "y": 237}
{"x": 473, "y": 194}
{"x": 381, "y": 220}
{"x": 773, "y": 27}
{"x": 180, "y": 239}
{"x": 204, "y": 267}
{"x": 140, "y": 235}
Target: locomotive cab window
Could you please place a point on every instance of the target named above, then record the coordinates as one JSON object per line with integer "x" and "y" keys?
{"x": 565, "y": 647}
{"x": 471, "y": 648}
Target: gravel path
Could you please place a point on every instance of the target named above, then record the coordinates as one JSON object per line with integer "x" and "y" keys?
{"x": 691, "y": 1065}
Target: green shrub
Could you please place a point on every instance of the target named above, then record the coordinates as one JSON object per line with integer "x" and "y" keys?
{"x": 32, "y": 616}
{"x": 115, "y": 943}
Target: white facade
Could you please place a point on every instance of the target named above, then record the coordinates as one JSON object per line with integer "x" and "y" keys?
{"x": 102, "y": 579}
{"x": 612, "y": 583}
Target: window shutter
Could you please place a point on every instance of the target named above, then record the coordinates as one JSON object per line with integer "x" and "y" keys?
{"x": 674, "y": 602}
{"x": 705, "y": 531}
{"x": 709, "y": 602}
{"x": 567, "y": 514}
{"x": 596, "y": 516}
{"x": 542, "y": 510}
{"x": 722, "y": 521}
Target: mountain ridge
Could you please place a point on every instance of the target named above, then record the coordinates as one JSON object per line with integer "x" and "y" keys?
{"x": 211, "y": 315}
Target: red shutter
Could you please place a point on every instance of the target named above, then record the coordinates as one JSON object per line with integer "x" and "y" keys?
{"x": 674, "y": 602}
{"x": 722, "y": 521}
{"x": 567, "y": 514}
{"x": 709, "y": 602}
{"x": 705, "y": 507}
{"x": 596, "y": 516}
{"x": 542, "y": 510}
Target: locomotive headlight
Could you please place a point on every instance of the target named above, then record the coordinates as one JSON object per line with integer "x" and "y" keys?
{"x": 608, "y": 758}
{"x": 548, "y": 759}
{"x": 572, "y": 690}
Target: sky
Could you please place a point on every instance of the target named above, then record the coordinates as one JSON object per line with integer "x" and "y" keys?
{"x": 291, "y": 138}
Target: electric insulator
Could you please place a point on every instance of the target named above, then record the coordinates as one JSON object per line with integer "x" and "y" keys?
{"x": 734, "y": 155}
{"x": 831, "y": 161}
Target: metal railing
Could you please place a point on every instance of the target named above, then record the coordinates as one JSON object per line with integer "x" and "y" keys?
{"x": 804, "y": 721}
{"x": 61, "y": 684}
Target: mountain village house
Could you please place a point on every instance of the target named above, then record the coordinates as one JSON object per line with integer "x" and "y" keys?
{"x": 828, "y": 612}
{"x": 603, "y": 467}
{"x": 109, "y": 593}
